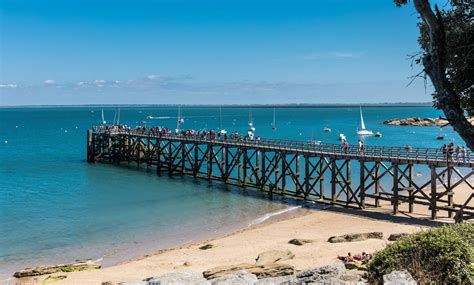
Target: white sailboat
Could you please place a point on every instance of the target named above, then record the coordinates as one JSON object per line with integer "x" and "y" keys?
{"x": 180, "y": 120}
{"x": 362, "y": 131}
{"x": 221, "y": 130}
{"x": 274, "y": 127}
{"x": 251, "y": 127}
{"x": 103, "y": 120}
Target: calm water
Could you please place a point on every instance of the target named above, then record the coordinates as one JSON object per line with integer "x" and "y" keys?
{"x": 55, "y": 207}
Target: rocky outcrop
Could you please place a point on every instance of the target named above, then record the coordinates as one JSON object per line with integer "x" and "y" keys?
{"x": 49, "y": 269}
{"x": 261, "y": 271}
{"x": 324, "y": 273}
{"x": 172, "y": 278}
{"x": 417, "y": 121}
{"x": 398, "y": 278}
{"x": 282, "y": 280}
{"x": 236, "y": 278}
{"x": 355, "y": 237}
{"x": 300, "y": 241}
{"x": 273, "y": 256}
{"x": 397, "y": 236}
{"x": 206, "y": 246}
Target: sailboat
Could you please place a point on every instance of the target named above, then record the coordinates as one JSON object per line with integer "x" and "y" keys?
{"x": 362, "y": 131}
{"x": 180, "y": 119}
{"x": 274, "y": 127}
{"x": 103, "y": 120}
{"x": 250, "y": 124}
{"x": 221, "y": 130}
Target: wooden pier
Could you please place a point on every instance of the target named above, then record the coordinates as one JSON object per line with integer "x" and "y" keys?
{"x": 322, "y": 173}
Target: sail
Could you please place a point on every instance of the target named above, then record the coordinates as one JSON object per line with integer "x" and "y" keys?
{"x": 362, "y": 125}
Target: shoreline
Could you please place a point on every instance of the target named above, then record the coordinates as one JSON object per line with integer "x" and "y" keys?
{"x": 310, "y": 221}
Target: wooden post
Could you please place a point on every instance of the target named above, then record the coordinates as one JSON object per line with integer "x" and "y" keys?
{"x": 297, "y": 168}
{"x": 209, "y": 161}
{"x": 90, "y": 147}
{"x": 264, "y": 171}
{"x": 196, "y": 160}
{"x": 349, "y": 182}
{"x": 306, "y": 176}
{"x": 283, "y": 173}
{"x": 170, "y": 158}
{"x": 433, "y": 192}
{"x": 183, "y": 157}
{"x": 225, "y": 163}
{"x": 333, "y": 181}
{"x": 377, "y": 184}
{"x": 277, "y": 170}
{"x": 239, "y": 161}
{"x": 159, "y": 154}
{"x": 410, "y": 189}
{"x": 450, "y": 192}
{"x": 321, "y": 177}
{"x": 395, "y": 189}
{"x": 244, "y": 177}
{"x": 257, "y": 168}
{"x": 362, "y": 184}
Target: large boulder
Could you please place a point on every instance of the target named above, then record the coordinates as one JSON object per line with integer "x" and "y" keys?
{"x": 355, "y": 237}
{"x": 300, "y": 241}
{"x": 282, "y": 280}
{"x": 323, "y": 273}
{"x": 398, "y": 278}
{"x": 261, "y": 271}
{"x": 237, "y": 278}
{"x": 273, "y": 256}
{"x": 178, "y": 278}
{"x": 49, "y": 269}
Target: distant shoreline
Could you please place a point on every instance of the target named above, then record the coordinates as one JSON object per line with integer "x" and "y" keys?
{"x": 295, "y": 105}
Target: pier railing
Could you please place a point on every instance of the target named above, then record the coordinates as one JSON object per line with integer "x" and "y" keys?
{"x": 420, "y": 155}
{"x": 309, "y": 170}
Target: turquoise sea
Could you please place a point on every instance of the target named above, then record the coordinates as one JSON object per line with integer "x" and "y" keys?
{"x": 55, "y": 207}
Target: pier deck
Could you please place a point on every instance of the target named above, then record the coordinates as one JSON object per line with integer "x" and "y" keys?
{"x": 308, "y": 170}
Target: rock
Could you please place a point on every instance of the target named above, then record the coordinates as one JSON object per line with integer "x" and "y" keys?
{"x": 300, "y": 241}
{"x": 398, "y": 278}
{"x": 282, "y": 280}
{"x": 323, "y": 273}
{"x": 417, "y": 121}
{"x": 49, "y": 269}
{"x": 139, "y": 282}
{"x": 177, "y": 278}
{"x": 261, "y": 271}
{"x": 273, "y": 256}
{"x": 397, "y": 236}
{"x": 355, "y": 237}
{"x": 206, "y": 246}
{"x": 237, "y": 278}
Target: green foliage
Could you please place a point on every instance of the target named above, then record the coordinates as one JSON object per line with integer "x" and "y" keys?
{"x": 436, "y": 256}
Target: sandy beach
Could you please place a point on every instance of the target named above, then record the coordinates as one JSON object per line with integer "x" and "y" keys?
{"x": 244, "y": 246}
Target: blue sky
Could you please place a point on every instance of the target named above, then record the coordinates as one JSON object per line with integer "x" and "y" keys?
{"x": 165, "y": 52}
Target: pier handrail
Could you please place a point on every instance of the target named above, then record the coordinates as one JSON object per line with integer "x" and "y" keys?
{"x": 392, "y": 152}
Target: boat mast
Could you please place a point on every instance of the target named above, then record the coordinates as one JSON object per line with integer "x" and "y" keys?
{"x": 220, "y": 117}
{"x": 362, "y": 125}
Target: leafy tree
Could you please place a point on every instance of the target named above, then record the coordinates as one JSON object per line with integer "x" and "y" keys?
{"x": 447, "y": 43}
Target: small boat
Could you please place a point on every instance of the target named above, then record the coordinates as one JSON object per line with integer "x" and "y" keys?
{"x": 180, "y": 119}
{"x": 440, "y": 137}
{"x": 222, "y": 131}
{"x": 274, "y": 121}
{"x": 327, "y": 130}
{"x": 362, "y": 131}
{"x": 378, "y": 134}
{"x": 342, "y": 137}
{"x": 149, "y": 117}
{"x": 250, "y": 124}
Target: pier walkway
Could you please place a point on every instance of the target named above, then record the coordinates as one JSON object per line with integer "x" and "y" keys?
{"x": 314, "y": 171}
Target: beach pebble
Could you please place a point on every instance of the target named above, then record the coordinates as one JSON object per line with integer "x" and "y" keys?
{"x": 300, "y": 241}
{"x": 273, "y": 256}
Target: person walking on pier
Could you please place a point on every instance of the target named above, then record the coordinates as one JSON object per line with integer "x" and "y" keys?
{"x": 361, "y": 146}
{"x": 345, "y": 146}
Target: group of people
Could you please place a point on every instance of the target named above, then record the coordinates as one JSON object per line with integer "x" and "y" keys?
{"x": 451, "y": 153}
{"x": 191, "y": 133}
{"x": 357, "y": 260}
{"x": 345, "y": 146}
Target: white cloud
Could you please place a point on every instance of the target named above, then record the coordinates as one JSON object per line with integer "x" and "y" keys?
{"x": 49, "y": 82}
{"x": 99, "y": 82}
{"x": 152, "y": 77}
{"x": 8, "y": 86}
{"x": 80, "y": 83}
